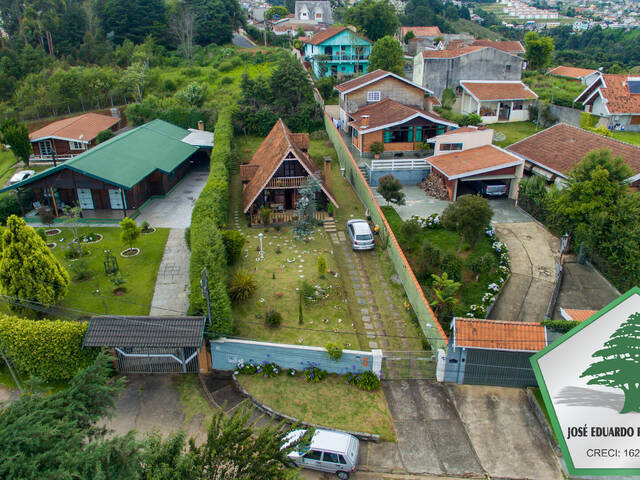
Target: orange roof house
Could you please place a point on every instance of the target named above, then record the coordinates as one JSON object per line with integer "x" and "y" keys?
{"x": 421, "y": 31}
{"x": 575, "y": 315}
{"x": 279, "y": 167}
{"x": 584, "y": 75}
{"x": 513, "y": 47}
{"x": 63, "y": 139}
{"x": 498, "y": 335}
{"x": 497, "y": 100}
{"x": 615, "y": 98}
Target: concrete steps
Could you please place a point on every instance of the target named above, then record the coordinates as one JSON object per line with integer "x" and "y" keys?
{"x": 365, "y": 172}
{"x": 329, "y": 226}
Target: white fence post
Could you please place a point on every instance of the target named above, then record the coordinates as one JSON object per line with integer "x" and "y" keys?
{"x": 376, "y": 365}
{"x": 441, "y": 365}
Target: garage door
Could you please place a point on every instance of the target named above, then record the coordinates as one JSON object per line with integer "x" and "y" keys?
{"x": 85, "y": 198}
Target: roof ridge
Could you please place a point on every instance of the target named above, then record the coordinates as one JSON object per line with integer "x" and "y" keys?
{"x": 500, "y": 322}
{"x": 593, "y": 133}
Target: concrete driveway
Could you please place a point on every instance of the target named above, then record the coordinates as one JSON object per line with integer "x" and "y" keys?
{"x": 533, "y": 252}
{"x": 418, "y": 203}
{"x": 174, "y": 210}
{"x": 504, "y": 433}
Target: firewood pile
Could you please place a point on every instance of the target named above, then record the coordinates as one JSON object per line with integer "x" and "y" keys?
{"x": 433, "y": 186}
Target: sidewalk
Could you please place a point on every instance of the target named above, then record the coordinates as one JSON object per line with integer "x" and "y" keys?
{"x": 171, "y": 295}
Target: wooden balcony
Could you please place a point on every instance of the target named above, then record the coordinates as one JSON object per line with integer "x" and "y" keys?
{"x": 286, "y": 217}
{"x": 286, "y": 182}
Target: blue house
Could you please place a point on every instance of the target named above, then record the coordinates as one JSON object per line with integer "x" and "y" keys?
{"x": 338, "y": 51}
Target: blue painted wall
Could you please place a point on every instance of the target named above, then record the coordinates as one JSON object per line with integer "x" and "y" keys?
{"x": 406, "y": 177}
{"x": 226, "y": 354}
{"x": 349, "y": 40}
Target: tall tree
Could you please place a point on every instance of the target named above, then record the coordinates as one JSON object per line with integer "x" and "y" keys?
{"x": 469, "y": 215}
{"x": 376, "y": 18}
{"x": 216, "y": 20}
{"x": 182, "y": 22}
{"x": 16, "y": 135}
{"x": 538, "y": 50}
{"x": 28, "y": 269}
{"x": 133, "y": 19}
{"x": 390, "y": 189}
{"x": 386, "y": 54}
{"x": 620, "y": 363}
{"x": 306, "y": 208}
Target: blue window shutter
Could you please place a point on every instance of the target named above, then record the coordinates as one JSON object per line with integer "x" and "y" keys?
{"x": 418, "y": 134}
{"x": 410, "y": 136}
{"x": 355, "y": 133}
{"x": 387, "y": 135}
{"x": 440, "y": 129}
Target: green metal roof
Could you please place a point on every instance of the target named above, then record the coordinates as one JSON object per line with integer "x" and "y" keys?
{"x": 126, "y": 159}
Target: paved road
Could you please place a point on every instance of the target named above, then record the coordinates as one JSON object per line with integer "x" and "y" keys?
{"x": 171, "y": 295}
{"x": 533, "y": 252}
{"x": 241, "y": 41}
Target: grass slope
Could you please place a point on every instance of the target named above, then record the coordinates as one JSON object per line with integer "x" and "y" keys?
{"x": 514, "y": 131}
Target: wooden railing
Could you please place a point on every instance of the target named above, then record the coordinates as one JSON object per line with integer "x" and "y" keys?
{"x": 286, "y": 182}
{"x": 287, "y": 216}
{"x": 49, "y": 158}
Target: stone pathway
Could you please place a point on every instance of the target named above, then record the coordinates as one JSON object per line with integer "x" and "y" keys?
{"x": 171, "y": 295}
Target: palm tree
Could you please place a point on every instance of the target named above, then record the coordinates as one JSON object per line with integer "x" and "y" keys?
{"x": 444, "y": 292}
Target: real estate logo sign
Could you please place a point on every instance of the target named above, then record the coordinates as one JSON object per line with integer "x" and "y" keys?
{"x": 590, "y": 382}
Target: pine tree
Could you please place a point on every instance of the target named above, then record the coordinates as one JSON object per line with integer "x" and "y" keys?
{"x": 306, "y": 208}
{"x": 620, "y": 364}
{"x": 28, "y": 269}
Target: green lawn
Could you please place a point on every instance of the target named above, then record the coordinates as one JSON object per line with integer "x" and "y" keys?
{"x": 472, "y": 290}
{"x": 557, "y": 90}
{"x": 331, "y": 403}
{"x": 514, "y": 131}
{"x": 7, "y": 166}
{"x": 96, "y": 294}
{"x": 629, "y": 137}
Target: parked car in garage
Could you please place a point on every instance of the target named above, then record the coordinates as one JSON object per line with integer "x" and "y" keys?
{"x": 491, "y": 188}
{"x": 360, "y": 234}
{"x": 328, "y": 451}
{"x": 21, "y": 175}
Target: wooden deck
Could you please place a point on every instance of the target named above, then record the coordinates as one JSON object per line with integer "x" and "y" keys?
{"x": 287, "y": 216}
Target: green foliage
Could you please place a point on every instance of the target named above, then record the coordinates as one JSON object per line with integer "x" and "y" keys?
{"x": 367, "y": 380}
{"x": 216, "y": 20}
{"x": 273, "y": 319}
{"x": 588, "y": 121}
{"x": 325, "y": 87}
{"x": 187, "y": 237}
{"x": 448, "y": 98}
{"x": 233, "y": 243}
{"x": 28, "y": 269}
{"x": 408, "y": 36}
{"x": 300, "y": 312}
{"x": 304, "y": 225}
{"x": 314, "y": 374}
{"x": 265, "y": 215}
{"x": 48, "y": 349}
{"x": 444, "y": 291}
{"x": 80, "y": 270}
{"x": 129, "y": 231}
{"x": 104, "y": 135}
{"x": 207, "y": 245}
{"x": 602, "y": 130}
{"x": 469, "y": 215}
{"x": 8, "y": 206}
{"x": 42, "y": 234}
{"x": 428, "y": 260}
{"x": 389, "y": 187}
{"x": 562, "y": 326}
{"x": 538, "y": 50}
{"x": 322, "y": 266}
{"x": 470, "y": 119}
{"x": 386, "y": 54}
{"x": 452, "y": 266}
{"x": 481, "y": 264}
{"x": 132, "y": 20}
{"x": 276, "y": 10}
{"x": 376, "y": 148}
{"x": 307, "y": 292}
{"x": 376, "y": 18}
{"x": 334, "y": 351}
{"x": 242, "y": 285}
{"x": 16, "y": 135}
{"x": 193, "y": 95}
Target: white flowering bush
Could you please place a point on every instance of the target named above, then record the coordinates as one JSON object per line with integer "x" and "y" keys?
{"x": 488, "y": 298}
{"x": 477, "y": 311}
{"x": 493, "y": 287}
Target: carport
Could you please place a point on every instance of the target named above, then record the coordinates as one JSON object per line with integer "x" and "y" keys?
{"x": 487, "y": 162}
{"x": 150, "y": 344}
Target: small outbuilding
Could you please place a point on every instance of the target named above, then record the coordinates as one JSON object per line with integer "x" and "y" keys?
{"x": 151, "y": 344}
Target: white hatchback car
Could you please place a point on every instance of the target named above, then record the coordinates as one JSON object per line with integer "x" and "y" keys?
{"x": 333, "y": 452}
{"x": 360, "y": 234}
{"x": 20, "y": 176}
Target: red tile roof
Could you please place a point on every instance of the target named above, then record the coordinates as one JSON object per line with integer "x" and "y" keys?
{"x": 577, "y": 315}
{"x": 560, "y": 147}
{"x": 451, "y": 53}
{"x": 387, "y": 112}
{"x": 330, "y": 32}
{"x": 571, "y": 72}
{"x": 269, "y": 156}
{"x": 616, "y": 92}
{"x": 473, "y": 161}
{"x": 485, "y": 91}
{"x": 421, "y": 31}
{"x": 372, "y": 77}
{"x": 82, "y": 127}
{"x": 497, "y": 335}
{"x": 508, "y": 46}
{"x": 461, "y": 130}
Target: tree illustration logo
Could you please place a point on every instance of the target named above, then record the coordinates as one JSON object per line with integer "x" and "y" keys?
{"x": 620, "y": 364}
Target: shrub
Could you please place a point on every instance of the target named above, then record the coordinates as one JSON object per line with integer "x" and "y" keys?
{"x": 307, "y": 292}
{"x": 187, "y": 237}
{"x": 273, "y": 319}
{"x": 470, "y": 119}
{"x": 452, "y": 265}
{"x": 428, "y": 260}
{"x": 330, "y": 209}
{"x": 334, "y": 351}
{"x": 410, "y": 230}
{"x": 9, "y": 205}
{"x": 322, "y": 266}
{"x": 80, "y": 270}
{"x": 129, "y": 232}
{"x": 226, "y": 80}
{"x": 233, "y": 243}
{"x": 366, "y": 380}
{"x": 41, "y": 233}
{"x": 48, "y": 349}
{"x": 265, "y": 215}
{"x": 482, "y": 264}
{"x": 376, "y": 148}
{"x": 45, "y": 215}
{"x": 225, "y": 66}
{"x": 602, "y": 131}
{"x": 561, "y": 326}
{"x": 104, "y": 135}
{"x": 75, "y": 251}
{"x": 242, "y": 285}
{"x": 313, "y": 373}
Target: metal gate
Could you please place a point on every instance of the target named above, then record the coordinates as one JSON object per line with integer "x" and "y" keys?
{"x": 409, "y": 365}
{"x": 157, "y": 360}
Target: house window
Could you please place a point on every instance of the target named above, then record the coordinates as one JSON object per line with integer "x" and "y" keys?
{"x": 289, "y": 168}
{"x": 399, "y": 135}
{"x": 77, "y": 146}
{"x": 45, "y": 147}
{"x": 518, "y": 105}
{"x": 507, "y": 68}
{"x": 373, "y": 96}
{"x": 448, "y": 147}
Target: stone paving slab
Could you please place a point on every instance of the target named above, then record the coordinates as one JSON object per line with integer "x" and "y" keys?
{"x": 171, "y": 294}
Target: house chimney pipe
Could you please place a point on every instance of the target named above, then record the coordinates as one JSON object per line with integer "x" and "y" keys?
{"x": 200, "y": 125}
{"x": 364, "y": 121}
{"x": 327, "y": 171}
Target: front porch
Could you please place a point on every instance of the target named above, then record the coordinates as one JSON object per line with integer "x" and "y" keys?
{"x": 88, "y": 216}
{"x": 285, "y": 217}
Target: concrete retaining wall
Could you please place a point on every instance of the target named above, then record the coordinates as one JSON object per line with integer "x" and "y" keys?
{"x": 406, "y": 177}
{"x": 566, "y": 115}
{"x": 226, "y": 353}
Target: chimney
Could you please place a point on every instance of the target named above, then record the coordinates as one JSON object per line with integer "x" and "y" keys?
{"x": 115, "y": 113}
{"x": 364, "y": 121}
{"x": 200, "y": 125}
{"x": 327, "y": 171}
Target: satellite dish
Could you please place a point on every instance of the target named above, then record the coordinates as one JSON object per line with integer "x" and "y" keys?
{"x": 351, "y": 107}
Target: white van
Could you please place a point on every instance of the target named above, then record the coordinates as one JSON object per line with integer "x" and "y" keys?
{"x": 333, "y": 452}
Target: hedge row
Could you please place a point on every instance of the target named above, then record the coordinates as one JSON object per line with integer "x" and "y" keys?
{"x": 207, "y": 247}
{"x": 48, "y": 349}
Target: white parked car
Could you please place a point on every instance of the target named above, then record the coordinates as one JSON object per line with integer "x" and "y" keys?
{"x": 20, "y": 176}
{"x": 360, "y": 234}
{"x": 333, "y": 452}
